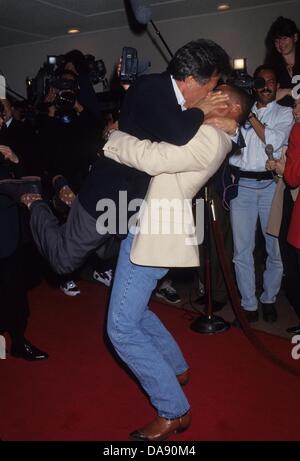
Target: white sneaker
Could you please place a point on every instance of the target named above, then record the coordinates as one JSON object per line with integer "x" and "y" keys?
{"x": 104, "y": 277}
{"x": 169, "y": 294}
{"x": 70, "y": 288}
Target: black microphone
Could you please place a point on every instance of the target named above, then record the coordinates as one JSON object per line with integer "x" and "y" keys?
{"x": 269, "y": 150}
{"x": 141, "y": 10}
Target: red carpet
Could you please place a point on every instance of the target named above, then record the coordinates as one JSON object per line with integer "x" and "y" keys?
{"x": 82, "y": 392}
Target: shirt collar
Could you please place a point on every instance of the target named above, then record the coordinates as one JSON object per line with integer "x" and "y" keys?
{"x": 268, "y": 106}
{"x": 178, "y": 94}
{"x": 8, "y": 122}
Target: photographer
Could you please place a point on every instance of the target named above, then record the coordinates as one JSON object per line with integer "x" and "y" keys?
{"x": 70, "y": 136}
{"x": 69, "y": 133}
{"x": 76, "y": 62}
{"x": 269, "y": 124}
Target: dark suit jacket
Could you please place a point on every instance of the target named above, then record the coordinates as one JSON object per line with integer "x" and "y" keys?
{"x": 150, "y": 111}
{"x": 9, "y": 215}
{"x": 23, "y": 141}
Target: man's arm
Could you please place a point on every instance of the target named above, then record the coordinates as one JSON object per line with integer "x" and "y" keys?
{"x": 157, "y": 158}
{"x": 276, "y": 134}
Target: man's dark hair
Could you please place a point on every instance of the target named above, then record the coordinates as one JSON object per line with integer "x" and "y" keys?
{"x": 259, "y": 69}
{"x": 201, "y": 59}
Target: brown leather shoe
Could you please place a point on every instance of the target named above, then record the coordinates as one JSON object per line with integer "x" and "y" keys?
{"x": 184, "y": 377}
{"x": 161, "y": 428}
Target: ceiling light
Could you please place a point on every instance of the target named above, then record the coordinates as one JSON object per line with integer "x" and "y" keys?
{"x": 73, "y": 31}
{"x": 223, "y": 7}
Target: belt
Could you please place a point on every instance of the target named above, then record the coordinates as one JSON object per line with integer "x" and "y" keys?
{"x": 258, "y": 175}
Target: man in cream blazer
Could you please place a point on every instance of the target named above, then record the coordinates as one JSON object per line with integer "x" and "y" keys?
{"x": 138, "y": 336}
{"x": 166, "y": 233}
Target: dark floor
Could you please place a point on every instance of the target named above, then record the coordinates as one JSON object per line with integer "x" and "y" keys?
{"x": 286, "y": 315}
{"x": 186, "y": 282}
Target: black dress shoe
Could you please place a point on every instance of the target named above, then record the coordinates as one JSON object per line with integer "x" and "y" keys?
{"x": 251, "y": 316}
{"x": 15, "y": 188}
{"x": 269, "y": 312}
{"x": 295, "y": 329}
{"x": 27, "y": 351}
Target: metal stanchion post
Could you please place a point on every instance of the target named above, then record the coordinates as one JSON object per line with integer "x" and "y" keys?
{"x": 208, "y": 323}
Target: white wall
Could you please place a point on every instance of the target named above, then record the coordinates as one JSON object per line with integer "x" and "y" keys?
{"x": 240, "y": 32}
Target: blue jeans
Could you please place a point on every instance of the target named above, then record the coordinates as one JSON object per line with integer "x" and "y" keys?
{"x": 139, "y": 337}
{"x": 254, "y": 200}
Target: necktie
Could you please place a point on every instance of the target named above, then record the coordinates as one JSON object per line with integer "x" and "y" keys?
{"x": 240, "y": 140}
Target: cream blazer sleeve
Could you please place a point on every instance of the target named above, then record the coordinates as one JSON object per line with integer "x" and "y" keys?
{"x": 155, "y": 158}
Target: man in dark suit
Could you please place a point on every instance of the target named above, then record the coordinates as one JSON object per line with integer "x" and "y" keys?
{"x": 14, "y": 309}
{"x": 21, "y": 138}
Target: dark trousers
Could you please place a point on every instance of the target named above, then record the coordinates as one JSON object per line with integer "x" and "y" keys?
{"x": 289, "y": 256}
{"x": 14, "y": 310}
{"x": 66, "y": 245}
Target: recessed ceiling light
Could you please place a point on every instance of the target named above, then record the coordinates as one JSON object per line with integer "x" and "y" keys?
{"x": 223, "y": 7}
{"x": 73, "y": 31}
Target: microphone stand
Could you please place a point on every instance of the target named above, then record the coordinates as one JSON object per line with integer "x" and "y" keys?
{"x": 208, "y": 323}
{"x": 161, "y": 37}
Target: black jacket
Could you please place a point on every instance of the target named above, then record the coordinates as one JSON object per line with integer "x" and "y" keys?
{"x": 9, "y": 214}
{"x": 150, "y": 111}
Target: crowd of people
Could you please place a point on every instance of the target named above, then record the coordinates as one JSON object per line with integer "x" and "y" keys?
{"x": 177, "y": 132}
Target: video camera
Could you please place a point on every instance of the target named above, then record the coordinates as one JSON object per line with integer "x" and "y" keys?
{"x": 38, "y": 87}
{"x": 242, "y": 79}
{"x": 97, "y": 69}
{"x": 66, "y": 95}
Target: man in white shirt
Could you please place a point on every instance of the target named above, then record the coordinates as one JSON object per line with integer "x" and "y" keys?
{"x": 269, "y": 124}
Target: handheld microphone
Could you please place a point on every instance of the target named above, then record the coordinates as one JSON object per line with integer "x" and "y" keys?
{"x": 141, "y": 10}
{"x": 269, "y": 150}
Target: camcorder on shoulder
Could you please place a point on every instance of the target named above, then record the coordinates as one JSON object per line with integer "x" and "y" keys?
{"x": 66, "y": 95}
{"x": 246, "y": 82}
{"x": 242, "y": 79}
{"x": 38, "y": 86}
{"x": 129, "y": 65}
